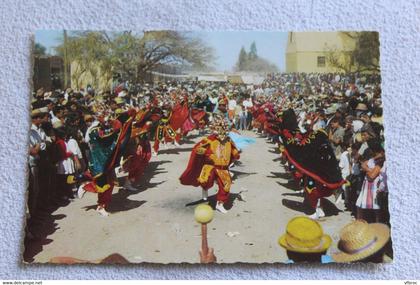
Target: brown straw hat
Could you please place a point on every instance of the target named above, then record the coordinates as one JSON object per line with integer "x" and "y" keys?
{"x": 359, "y": 240}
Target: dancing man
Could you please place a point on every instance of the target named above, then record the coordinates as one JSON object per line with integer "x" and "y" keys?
{"x": 209, "y": 162}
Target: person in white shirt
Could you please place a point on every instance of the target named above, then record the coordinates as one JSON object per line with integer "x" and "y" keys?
{"x": 215, "y": 101}
{"x": 247, "y": 103}
{"x": 345, "y": 167}
{"x": 58, "y": 115}
{"x": 231, "y": 108}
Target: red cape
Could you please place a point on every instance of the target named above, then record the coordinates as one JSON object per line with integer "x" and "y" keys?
{"x": 195, "y": 164}
{"x": 179, "y": 115}
{"x": 198, "y": 114}
{"x": 137, "y": 163}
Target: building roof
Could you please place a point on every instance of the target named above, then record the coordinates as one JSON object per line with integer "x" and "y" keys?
{"x": 212, "y": 78}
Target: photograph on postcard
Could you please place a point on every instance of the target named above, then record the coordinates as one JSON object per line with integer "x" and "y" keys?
{"x": 206, "y": 147}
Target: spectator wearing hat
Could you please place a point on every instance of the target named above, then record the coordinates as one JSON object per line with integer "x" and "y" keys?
{"x": 336, "y": 136}
{"x": 362, "y": 242}
{"x": 305, "y": 241}
{"x": 65, "y": 164}
{"x": 366, "y": 133}
{"x": 37, "y": 144}
{"x": 361, "y": 108}
{"x": 377, "y": 116}
{"x": 58, "y": 115}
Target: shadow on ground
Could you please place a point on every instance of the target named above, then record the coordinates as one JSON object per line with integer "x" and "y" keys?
{"x": 36, "y": 233}
{"x": 329, "y": 208}
{"x": 292, "y": 185}
{"x": 282, "y": 175}
{"x": 175, "y": 150}
{"x": 211, "y": 200}
{"x": 240, "y": 174}
{"x": 120, "y": 201}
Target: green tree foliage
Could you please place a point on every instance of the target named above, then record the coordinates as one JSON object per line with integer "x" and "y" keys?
{"x": 39, "y": 49}
{"x": 253, "y": 51}
{"x": 132, "y": 56}
{"x": 365, "y": 56}
{"x": 251, "y": 62}
{"x": 242, "y": 59}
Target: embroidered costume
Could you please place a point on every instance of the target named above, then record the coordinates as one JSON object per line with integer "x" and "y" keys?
{"x": 209, "y": 163}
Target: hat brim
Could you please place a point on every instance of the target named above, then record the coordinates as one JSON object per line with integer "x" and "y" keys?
{"x": 382, "y": 235}
{"x": 378, "y": 120}
{"x": 323, "y": 246}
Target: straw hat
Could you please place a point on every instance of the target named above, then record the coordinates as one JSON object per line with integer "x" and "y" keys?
{"x": 359, "y": 240}
{"x": 40, "y": 92}
{"x": 304, "y": 235}
{"x": 71, "y": 179}
{"x": 378, "y": 120}
{"x": 119, "y": 100}
{"x": 35, "y": 112}
{"x": 57, "y": 124}
{"x": 39, "y": 112}
{"x": 358, "y": 137}
{"x": 361, "y": 107}
{"x": 119, "y": 111}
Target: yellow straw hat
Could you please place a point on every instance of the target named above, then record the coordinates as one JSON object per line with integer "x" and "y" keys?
{"x": 119, "y": 100}
{"x": 358, "y": 137}
{"x": 119, "y": 111}
{"x": 359, "y": 240}
{"x": 304, "y": 235}
{"x": 71, "y": 179}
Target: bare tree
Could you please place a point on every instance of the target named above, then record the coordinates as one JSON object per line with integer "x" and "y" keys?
{"x": 364, "y": 56}
{"x": 132, "y": 56}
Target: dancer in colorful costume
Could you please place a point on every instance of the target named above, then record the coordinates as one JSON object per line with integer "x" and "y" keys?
{"x": 311, "y": 160}
{"x": 106, "y": 147}
{"x": 209, "y": 163}
{"x": 138, "y": 151}
{"x": 169, "y": 125}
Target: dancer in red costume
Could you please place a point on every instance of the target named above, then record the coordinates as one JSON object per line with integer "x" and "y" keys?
{"x": 139, "y": 150}
{"x": 209, "y": 163}
{"x": 169, "y": 125}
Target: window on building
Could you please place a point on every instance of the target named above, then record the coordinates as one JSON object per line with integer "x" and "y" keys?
{"x": 321, "y": 61}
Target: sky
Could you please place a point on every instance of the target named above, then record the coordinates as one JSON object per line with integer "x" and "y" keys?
{"x": 226, "y": 45}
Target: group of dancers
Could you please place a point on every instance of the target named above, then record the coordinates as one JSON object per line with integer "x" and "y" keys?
{"x": 125, "y": 141}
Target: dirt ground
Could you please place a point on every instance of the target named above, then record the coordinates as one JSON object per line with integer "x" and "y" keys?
{"x": 156, "y": 224}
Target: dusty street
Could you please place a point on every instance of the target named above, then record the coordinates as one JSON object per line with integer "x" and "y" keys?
{"x": 156, "y": 224}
